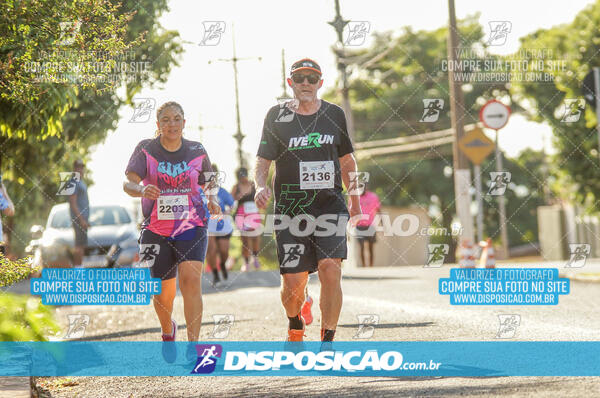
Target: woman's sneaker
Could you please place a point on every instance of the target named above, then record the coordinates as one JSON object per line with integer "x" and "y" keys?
{"x": 256, "y": 263}
{"x": 169, "y": 350}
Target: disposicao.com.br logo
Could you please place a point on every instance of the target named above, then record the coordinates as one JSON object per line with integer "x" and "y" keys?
{"x": 349, "y": 361}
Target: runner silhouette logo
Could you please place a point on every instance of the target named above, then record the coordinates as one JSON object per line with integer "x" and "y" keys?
{"x": 207, "y": 358}
{"x": 579, "y": 253}
{"x": 287, "y": 110}
{"x": 148, "y": 253}
{"x": 292, "y": 253}
{"x": 431, "y": 109}
{"x": 572, "y": 110}
{"x": 499, "y": 182}
{"x": 68, "y": 182}
{"x": 499, "y": 31}
{"x": 436, "y": 255}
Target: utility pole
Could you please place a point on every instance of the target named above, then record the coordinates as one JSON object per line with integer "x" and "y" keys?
{"x": 462, "y": 171}
{"x": 338, "y": 24}
{"x": 502, "y": 205}
{"x": 284, "y": 95}
{"x": 239, "y": 137}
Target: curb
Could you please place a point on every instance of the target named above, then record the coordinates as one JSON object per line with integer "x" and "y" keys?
{"x": 582, "y": 277}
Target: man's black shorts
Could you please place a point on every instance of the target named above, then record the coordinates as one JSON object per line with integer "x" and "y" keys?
{"x": 164, "y": 253}
{"x": 302, "y": 253}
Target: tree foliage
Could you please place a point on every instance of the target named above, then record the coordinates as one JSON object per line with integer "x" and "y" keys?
{"x": 45, "y": 124}
{"x": 573, "y": 50}
{"x": 387, "y": 99}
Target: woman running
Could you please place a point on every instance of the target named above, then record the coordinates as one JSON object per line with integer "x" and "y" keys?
{"x": 171, "y": 169}
{"x": 219, "y": 233}
{"x": 247, "y": 217}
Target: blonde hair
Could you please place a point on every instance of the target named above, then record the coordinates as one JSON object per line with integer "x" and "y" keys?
{"x": 164, "y": 106}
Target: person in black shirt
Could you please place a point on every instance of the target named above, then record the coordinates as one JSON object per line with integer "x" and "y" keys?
{"x": 309, "y": 143}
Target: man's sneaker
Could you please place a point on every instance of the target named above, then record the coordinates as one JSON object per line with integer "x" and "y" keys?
{"x": 306, "y": 310}
{"x": 326, "y": 346}
{"x": 295, "y": 335}
{"x": 169, "y": 350}
{"x": 216, "y": 281}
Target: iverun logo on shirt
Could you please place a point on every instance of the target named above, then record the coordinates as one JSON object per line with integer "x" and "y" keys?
{"x": 312, "y": 140}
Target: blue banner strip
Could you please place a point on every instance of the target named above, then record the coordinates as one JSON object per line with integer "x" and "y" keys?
{"x": 254, "y": 358}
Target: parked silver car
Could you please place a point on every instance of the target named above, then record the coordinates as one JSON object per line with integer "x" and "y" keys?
{"x": 112, "y": 238}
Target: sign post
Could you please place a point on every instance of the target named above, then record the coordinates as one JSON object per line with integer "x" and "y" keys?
{"x": 591, "y": 93}
{"x": 494, "y": 115}
{"x": 477, "y": 146}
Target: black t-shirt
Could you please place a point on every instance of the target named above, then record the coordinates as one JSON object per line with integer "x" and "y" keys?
{"x": 306, "y": 150}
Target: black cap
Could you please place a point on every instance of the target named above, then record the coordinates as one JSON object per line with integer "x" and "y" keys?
{"x": 305, "y": 64}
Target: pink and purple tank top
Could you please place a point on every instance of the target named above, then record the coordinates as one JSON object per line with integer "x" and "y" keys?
{"x": 179, "y": 176}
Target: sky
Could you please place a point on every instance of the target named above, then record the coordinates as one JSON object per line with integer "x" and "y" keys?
{"x": 203, "y": 84}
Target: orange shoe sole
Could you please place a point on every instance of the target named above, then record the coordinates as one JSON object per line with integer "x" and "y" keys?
{"x": 297, "y": 335}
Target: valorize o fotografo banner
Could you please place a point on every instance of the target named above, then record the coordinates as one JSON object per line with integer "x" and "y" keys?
{"x": 504, "y": 286}
{"x": 245, "y": 358}
{"x": 95, "y": 286}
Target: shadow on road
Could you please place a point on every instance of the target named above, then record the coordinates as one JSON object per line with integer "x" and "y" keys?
{"x": 376, "y": 387}
{"x": 368, "y": 278}
{"x": 390, "y": 325}
{"x": 137, "y": 332}
{"x": 241, "y": 280}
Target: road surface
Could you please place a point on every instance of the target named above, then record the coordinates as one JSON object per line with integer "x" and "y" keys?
{"x": 409, "y": 309}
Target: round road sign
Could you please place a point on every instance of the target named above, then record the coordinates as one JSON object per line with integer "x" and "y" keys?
{"x": 494, "y": 114}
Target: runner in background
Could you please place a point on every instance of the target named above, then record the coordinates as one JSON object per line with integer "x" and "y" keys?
{"x": 8, "y": 209}
{"x": 370, "y": 205}
{"x": 219, "y": 234}
{"x": 247, "y": 218}
{"x": 174, "y": 236}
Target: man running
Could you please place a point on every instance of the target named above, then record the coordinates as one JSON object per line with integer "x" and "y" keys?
{"x": 308, "y": 140}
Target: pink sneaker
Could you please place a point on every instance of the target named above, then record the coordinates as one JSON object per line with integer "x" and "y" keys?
{"x": 256, "y": 263}
{"x": 169, "y": 350}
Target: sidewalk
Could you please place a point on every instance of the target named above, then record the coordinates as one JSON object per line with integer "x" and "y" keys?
{"x": 15, "y": 387}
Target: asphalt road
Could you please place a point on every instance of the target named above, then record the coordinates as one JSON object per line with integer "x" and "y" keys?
{"x": 409, "y": 309}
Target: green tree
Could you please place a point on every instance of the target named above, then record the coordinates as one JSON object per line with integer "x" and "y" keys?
{"x": 573, "y": 50}
{"x": 22, "y": 318}
{"x": 387, "y": 98}
{"x": 44, "y": 126}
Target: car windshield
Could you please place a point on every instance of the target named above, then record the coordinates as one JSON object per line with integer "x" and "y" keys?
{"x": 101, "y": 215}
